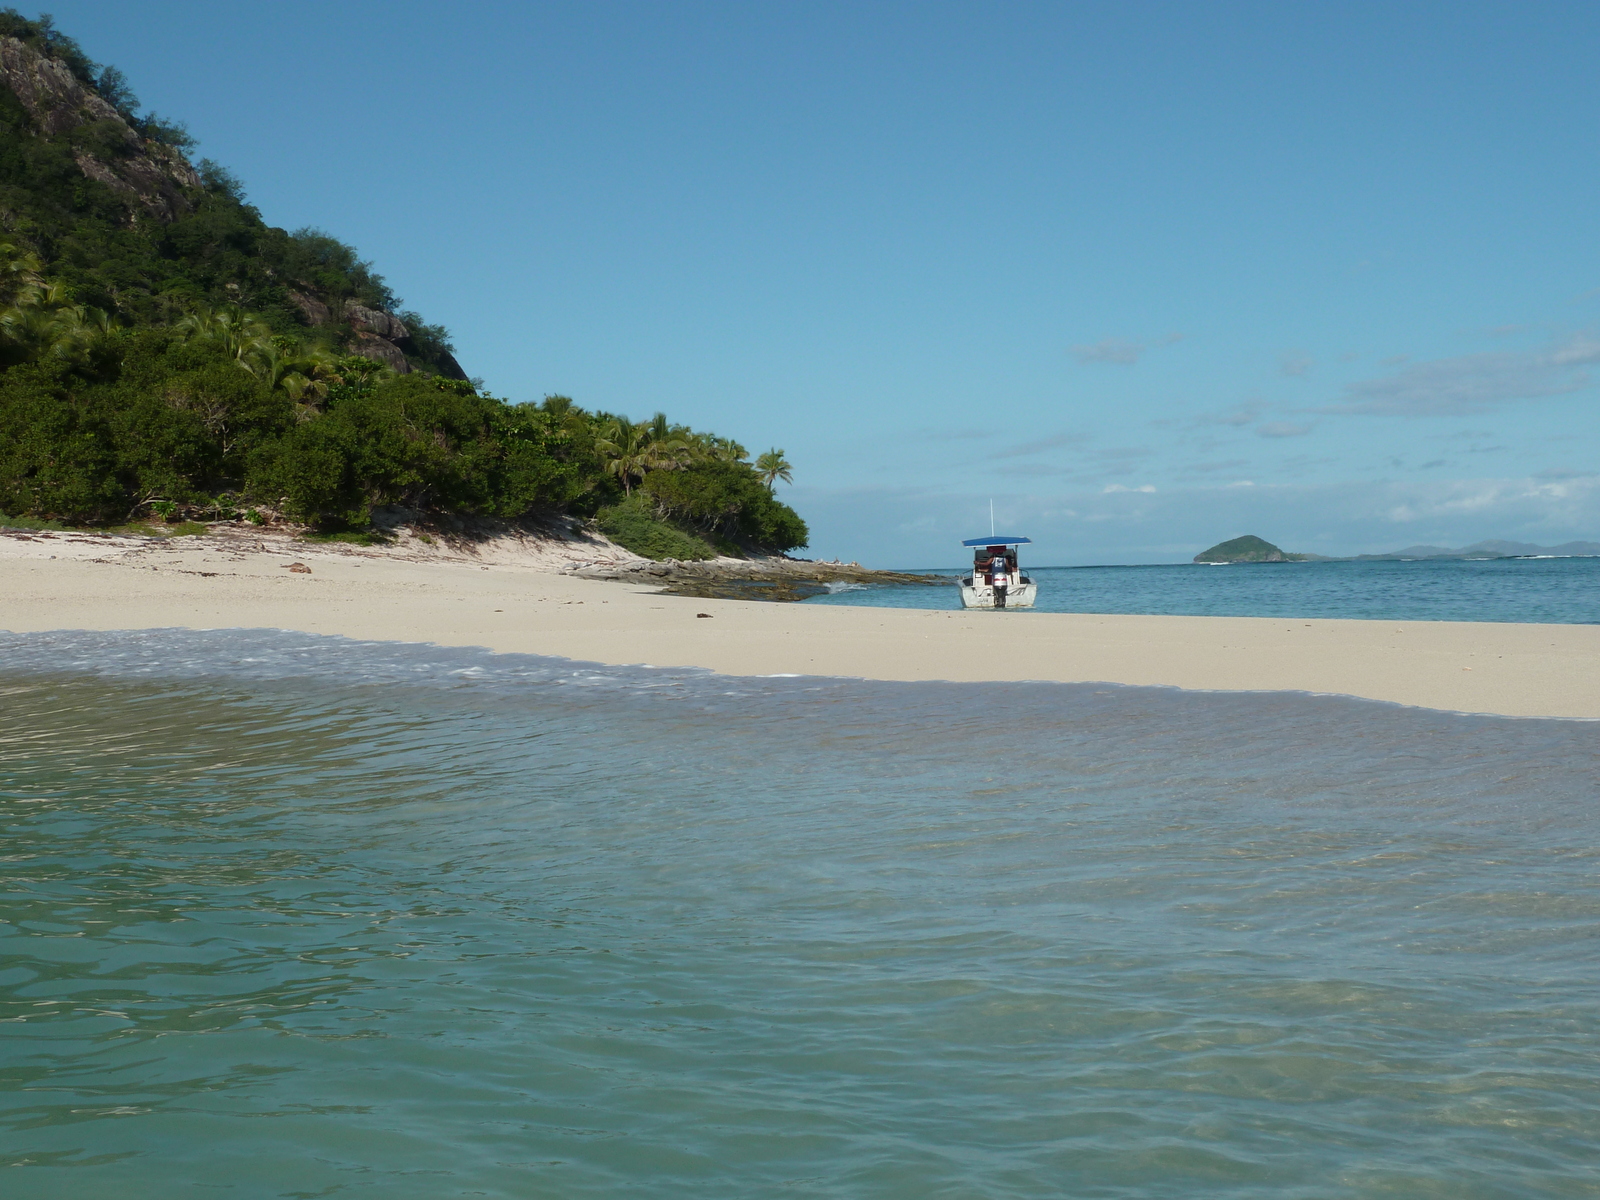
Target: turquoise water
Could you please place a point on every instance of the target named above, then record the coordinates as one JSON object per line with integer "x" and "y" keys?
{"x": 292, "y": 917}
{"x": 1547, "y": 590}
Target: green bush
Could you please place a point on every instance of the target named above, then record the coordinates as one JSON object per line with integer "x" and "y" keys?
{"x": 634, "y": 526}
{"x": 726, "y": 499}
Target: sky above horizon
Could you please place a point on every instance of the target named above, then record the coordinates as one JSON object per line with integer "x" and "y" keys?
{"x": 1148, "y": 276}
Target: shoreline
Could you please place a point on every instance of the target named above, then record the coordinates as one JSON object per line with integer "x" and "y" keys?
{"x": 530, "y": 601}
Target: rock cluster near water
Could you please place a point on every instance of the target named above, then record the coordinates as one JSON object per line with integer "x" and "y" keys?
{"x": 749, "y": 579}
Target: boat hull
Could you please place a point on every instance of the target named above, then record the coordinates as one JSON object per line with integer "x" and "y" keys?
{"x": 1021, "y": 596}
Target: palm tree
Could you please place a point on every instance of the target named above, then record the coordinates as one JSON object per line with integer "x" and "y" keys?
{"x": 21, "y": 273}
{"x": 709, "y": 447}
{"x": 41, "y": 322}
{"x": 772, "y": 466}
{"x": 626, "y": 449}
{"x": 239, "y": 335}
{"x": 633, "y": 450}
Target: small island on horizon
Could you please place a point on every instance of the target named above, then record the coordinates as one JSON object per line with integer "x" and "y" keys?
{"x": 1248, "y": 549}
{"x": 1252, "y": 549}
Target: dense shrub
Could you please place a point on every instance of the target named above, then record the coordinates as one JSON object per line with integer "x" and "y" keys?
{"x": 633, "y": 525}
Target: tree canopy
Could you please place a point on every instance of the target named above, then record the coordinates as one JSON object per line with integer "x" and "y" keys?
{"x": 168, "y": 351}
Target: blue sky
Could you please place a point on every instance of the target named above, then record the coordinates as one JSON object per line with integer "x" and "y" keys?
{"x": 1148, "y": 275}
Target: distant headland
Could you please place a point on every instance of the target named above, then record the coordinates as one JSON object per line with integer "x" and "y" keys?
{"x": 1251, "y": 549}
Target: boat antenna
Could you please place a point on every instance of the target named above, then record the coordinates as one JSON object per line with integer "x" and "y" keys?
{"x": 991, "y": 516}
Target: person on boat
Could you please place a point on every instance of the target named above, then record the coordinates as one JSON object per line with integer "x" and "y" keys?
{"x": 999, "y": 578}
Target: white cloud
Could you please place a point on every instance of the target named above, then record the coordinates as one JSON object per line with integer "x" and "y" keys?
{"x": 1112, "y": 488}
{"x": 1473, "y": 383}
{"x": 1238, "y": 483}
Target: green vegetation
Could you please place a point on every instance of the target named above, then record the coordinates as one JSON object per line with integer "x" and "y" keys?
{"x": 634, "y": 525}
{"x": 166, "y": 356}
{"x": 1247, "y": 549}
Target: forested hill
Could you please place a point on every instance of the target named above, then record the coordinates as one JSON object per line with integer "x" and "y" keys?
{"x": 164, "y": 350}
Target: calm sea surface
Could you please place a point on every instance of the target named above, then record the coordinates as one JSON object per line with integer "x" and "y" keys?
{"x": 1557, "y": 590}
{"x": 298, "y": 917}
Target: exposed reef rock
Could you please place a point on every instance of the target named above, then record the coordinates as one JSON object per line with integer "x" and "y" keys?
{"x": 751, "y": 579}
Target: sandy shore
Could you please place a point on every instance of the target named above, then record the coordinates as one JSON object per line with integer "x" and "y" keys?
{"x": 521, "y": 602}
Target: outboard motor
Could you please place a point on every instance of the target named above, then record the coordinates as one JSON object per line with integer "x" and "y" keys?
{"x": 999, "y": 575}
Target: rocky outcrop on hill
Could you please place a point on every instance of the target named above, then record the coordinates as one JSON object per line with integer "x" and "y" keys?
{"x": 374, "y": 333}
{"x": 314, "y": 310}
{"x": 62, "y": 114}
{"x": 377, "y": 335}
{"x": 159, "y": 178}
{"x": 371, "y": 320}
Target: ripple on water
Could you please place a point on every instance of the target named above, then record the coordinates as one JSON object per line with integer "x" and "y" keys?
{"x": 295, "y": 916}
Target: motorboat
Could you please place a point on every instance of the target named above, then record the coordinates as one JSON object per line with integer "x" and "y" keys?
{"x": 996, "y": 581}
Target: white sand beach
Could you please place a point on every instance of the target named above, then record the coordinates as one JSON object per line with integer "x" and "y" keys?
{"x": 513, "y": 596}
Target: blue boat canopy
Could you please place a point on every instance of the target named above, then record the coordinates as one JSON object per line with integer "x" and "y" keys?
{"x": 997, "y": 540}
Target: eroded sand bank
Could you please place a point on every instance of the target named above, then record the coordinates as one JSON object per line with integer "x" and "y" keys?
{"x": 519, "y": 601}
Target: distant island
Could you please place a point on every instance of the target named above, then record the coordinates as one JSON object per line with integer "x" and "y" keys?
{"x": 1251, "y": 549}
{"x": 1248, "y": 549}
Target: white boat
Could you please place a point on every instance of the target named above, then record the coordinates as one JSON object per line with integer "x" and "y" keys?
{"x": 996, "y": 581}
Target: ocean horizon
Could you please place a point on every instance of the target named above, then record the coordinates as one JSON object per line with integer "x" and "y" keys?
{"x": 1539, "y": 590}
{"x": 294, "y": 915}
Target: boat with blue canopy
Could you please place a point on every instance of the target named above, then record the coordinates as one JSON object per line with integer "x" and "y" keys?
{"x": 996, "y": 580}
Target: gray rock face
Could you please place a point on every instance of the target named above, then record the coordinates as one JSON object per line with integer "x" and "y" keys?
{"x": 155, "y": 176}
{"x": 316, "y": 312}
{"x": 373, "y": 320}
{"x": 49, "y": 91}
{"x": 370, "y": 345}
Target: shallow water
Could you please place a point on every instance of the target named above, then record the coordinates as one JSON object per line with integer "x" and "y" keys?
{"x": 289, "y": 916}
{"x": 1545, "y": 590}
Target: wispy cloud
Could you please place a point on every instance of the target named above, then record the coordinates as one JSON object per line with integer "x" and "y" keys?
{"x": 1110, "y": 350}
{"x": 1294, "y": 362}
{"x": 1473, "y": 383}
{"x": 1113, "y": 488}
{"x": 1239, "y": 414}
{"x": 1224, "y": 465}
{"x": 951, "y": 435}
{"x": 1283, "y": 429}
{"x": 1118, "y": 350}
{"x": 1039, "y": 445}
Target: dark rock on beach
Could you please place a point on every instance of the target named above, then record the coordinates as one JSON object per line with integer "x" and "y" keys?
{"x": 752, "y": 579}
